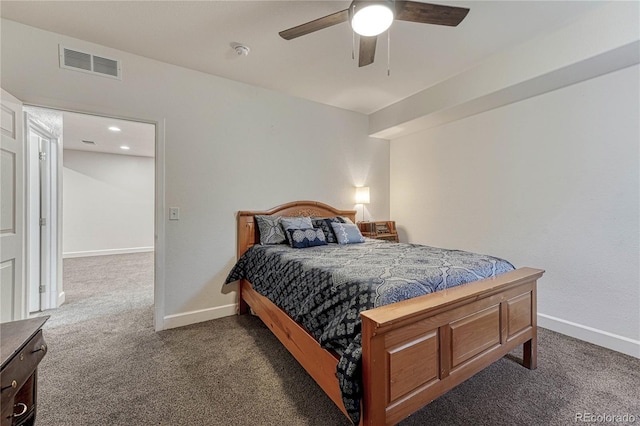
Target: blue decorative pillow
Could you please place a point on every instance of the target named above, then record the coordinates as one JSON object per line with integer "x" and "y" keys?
{"x": 300, "y": 222}
{"x": 270, "y": 230}
{"x": 303, "y": 238}
{"x": 325, "y": 225}
{"x": 347, "y": 233}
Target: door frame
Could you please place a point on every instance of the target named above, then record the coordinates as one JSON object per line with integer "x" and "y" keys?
{"x": 54, "y": 295}
{"x": 159, "y": 213}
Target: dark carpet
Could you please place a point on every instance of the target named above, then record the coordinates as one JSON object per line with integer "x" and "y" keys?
{"x": 106, "y": 366}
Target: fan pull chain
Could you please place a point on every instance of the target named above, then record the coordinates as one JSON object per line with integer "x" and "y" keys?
{"x": 389, "y": 52}
{"x": 353, "y": 36}
{"x": 353, "y": 45}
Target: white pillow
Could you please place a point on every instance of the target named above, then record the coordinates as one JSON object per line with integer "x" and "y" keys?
{"x": 299, "y": 222}
{"x": 347, "y": 233}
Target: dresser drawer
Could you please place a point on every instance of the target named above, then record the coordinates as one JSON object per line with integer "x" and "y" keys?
{"x": 18, "y": 370}
{"x": 23, "y": 408}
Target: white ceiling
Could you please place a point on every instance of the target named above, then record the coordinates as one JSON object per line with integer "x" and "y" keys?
{"x": 318, "y": 66}
{"x": 74, "y": 128}
{"x": 139, "y": 137}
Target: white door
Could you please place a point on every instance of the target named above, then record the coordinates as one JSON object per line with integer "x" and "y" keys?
{"x": 12, "y": 292}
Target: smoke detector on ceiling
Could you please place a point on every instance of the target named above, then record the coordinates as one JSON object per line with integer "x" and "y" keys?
{"x": 241, "y": 49}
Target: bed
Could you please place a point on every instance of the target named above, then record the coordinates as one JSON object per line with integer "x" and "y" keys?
{"x": 412, "y": 351}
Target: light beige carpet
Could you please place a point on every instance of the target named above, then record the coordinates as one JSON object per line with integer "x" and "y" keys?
{"x": 106, "y": 366}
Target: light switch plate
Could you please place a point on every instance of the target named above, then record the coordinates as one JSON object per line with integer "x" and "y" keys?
{"x": 174, "y": 213}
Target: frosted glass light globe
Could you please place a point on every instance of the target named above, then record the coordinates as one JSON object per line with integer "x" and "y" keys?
{"x": 372, "y": 20}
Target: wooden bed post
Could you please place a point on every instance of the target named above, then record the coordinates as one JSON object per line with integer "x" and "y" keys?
{"x": 245, "y": 239}
{"x": 243, "y": 307}
{"x": 374, "y": 380}
{"x": 530, "y": 347}
{"x": 530, "y": 354}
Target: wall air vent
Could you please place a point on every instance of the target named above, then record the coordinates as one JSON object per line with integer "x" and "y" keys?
{"x": 77, "y": 60}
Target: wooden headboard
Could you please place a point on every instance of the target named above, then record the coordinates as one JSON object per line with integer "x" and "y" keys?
{"x": 248, "y": 231}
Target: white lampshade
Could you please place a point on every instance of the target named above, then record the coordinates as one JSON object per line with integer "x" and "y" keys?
{"x": 362, "y": 195}
{"x": 371, "y": 19}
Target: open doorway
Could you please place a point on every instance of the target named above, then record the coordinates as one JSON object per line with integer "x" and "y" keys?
{"x": 106, "y": 204}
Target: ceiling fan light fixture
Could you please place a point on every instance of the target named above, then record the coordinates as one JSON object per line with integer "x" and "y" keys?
{"x": 371, "y": 19}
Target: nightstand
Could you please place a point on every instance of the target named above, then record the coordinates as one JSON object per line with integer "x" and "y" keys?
{"x": 23, "y": 347}
{"x": 380, "y": 230}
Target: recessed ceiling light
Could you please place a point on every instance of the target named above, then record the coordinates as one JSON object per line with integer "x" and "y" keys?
{"x": 125, "y": 147}
{"x": 114, "y": 129}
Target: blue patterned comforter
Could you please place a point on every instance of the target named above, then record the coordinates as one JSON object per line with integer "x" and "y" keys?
{"x": 324, "y": 288}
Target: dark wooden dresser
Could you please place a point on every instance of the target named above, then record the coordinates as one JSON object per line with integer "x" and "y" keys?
{"x": 22, "y": 347}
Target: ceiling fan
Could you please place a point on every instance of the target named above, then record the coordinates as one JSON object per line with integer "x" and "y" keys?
{"x": 370, "y": 18}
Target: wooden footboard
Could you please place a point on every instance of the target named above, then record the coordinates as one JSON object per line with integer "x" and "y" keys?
{"x": 416, "y": 350}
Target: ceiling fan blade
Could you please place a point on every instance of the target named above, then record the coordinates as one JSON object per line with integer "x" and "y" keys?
{"x": 427, "y": 13}
{"x": 315, "y": 25}
{"x": 367, "y": 50}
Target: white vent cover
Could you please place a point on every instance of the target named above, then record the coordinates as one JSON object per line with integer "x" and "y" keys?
{"x": 77, "y": 60}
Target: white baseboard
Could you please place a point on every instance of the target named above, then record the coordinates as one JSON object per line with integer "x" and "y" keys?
{"x": 186, "y": 318}
{"x": 106, "y": 252}
{"x": 592, "y": 335}
{"x": 61, "y": 298}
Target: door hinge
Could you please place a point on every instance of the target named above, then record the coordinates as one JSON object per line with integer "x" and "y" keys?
{"x": 43, "y": 221}
{"x": 43, "y": 289}
{"x": 42, "y": 155}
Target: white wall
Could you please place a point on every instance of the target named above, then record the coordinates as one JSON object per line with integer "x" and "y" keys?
{"x": 550, "y": 182}
{"x": 224, "y": 146}
{"x": 108, "y": 203}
